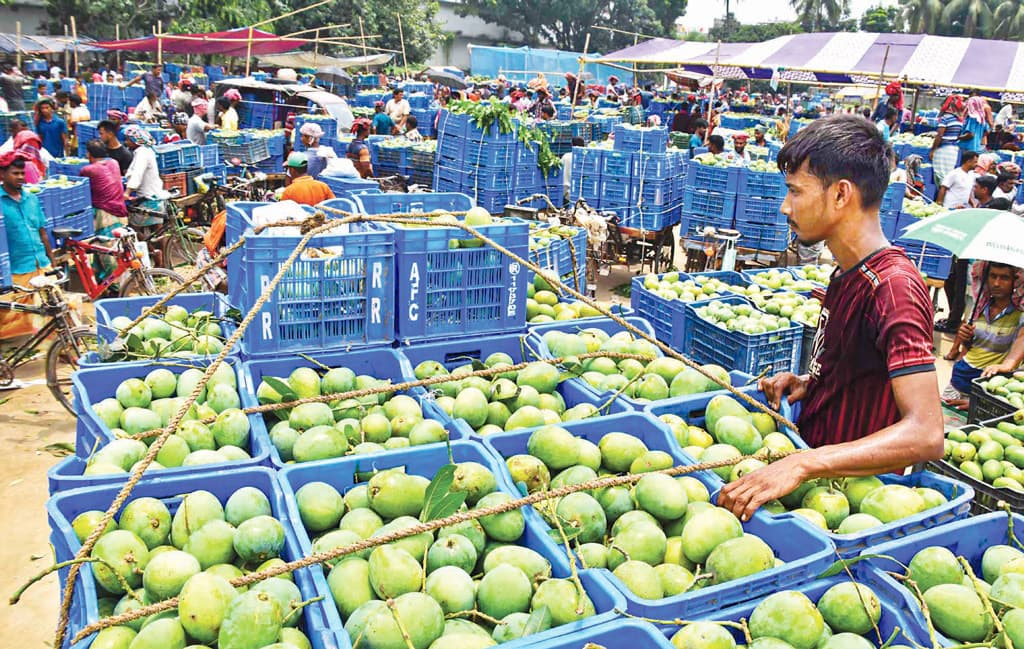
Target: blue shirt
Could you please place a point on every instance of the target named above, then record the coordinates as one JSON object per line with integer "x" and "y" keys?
{"x": 22, "y": 220}
{"x": 50, "y": 133}
{"x": 696, "y": 141}
{"x": 382, "y": 124}
{"x": 953, "y": 127}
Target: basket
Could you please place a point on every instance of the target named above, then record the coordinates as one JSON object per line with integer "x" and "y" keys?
{"x": 985, "y": 406}
{"x": 712, "y": 179}
{"x": 325, "y": 302}
{"x": 708, "y": 203}
{"x": 775, "y": 351}
{"x": 246, "y": 152}
{"x": 764, "y": 184}
{"x": 133, "y": 307}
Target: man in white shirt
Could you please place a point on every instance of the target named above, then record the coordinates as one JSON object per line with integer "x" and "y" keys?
{"x": 958, "y": 185}
{"x": 398, "y": 109}
{"x": 739, "y": 146}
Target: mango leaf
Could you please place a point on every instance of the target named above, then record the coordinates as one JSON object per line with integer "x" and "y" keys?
{"x": 842, "y": 564}
{"x": 281, "y": 387}
{"x": 569, "y": 534}
{"x": 439, "y": 500}
{"x": 233, "y": 314}
{"x": 60, "y": 449}
{"x": 540, "y": 619}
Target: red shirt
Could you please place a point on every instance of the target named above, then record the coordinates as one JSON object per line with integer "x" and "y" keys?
{"x": 876, "y": 324}
{"x": 105, "y": 184}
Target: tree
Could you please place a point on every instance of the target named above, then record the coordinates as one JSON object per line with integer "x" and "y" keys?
{"x": 922, "y": 16}
{"x": 881, "y": 20}
{"x": 138, "y": 17}
{"x": 1009, "y": 19}
{"x": 971, "y": 18}
{"x": 821, "y": 15}
{"x": 667, "y": 12}
{"x": 755, "y": 33}
{"x": 565, "y": 24}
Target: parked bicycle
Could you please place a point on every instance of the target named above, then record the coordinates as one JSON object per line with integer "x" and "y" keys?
{"x": 132, "y": 275}
{"x": 71, "y": 340}
{"x": 167, "y": 233}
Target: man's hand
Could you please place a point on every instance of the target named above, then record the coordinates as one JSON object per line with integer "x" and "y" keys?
{"x": 966, "y": 332}
{"x": 1001, "y": 368}
{"x": 782, "y": 384}
{"x": 744, "y": 496}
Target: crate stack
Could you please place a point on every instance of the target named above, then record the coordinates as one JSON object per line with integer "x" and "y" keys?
{"x": 758, "y": 215}
{"x": 604, "y": 123}
{"x": 5, "y": 258}
{"x": 179, "y": 164}
{"x": 889, "y": 210}
{"x": 391, "y": 156}
{"x": 67, "y": 166}
{"x": 255, "y": 114}
{"x": 709, "y": 196}
{"x": 275, "y": 149}
{"x": 494, "y": 168}
{"x": 421, "y": 163}
{"x": 67, "y": 203}
{"x": 242, "y": 146}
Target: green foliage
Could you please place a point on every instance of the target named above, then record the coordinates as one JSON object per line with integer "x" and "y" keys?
{"x": 754, "y": 33}
{"x": 881, "y": 20}
{"x": 565, "y": 24}
{"x": 823, "y": 15}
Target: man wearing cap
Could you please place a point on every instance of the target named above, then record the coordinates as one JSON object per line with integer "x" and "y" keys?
{"x": 317, "y": 155}
{"x": 197, "y": 125}
{"x": 739, "y": 146}
{"x": 398, "y": 109}
{"x": 303, "y": 188}
{"x": 382, "y": 123}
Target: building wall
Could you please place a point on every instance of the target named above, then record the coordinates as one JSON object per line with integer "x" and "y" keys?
{"x": 467, "y": 30}
{"x": 31, "y": 13}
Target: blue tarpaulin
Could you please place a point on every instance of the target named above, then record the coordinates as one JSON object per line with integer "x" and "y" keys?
{"x": 523, "y": 63}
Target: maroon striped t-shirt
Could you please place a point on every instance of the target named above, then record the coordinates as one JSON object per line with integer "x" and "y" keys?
{"x": 876, "y": 324}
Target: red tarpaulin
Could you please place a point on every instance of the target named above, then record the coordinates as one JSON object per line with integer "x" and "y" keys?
{"x": 233, "y": 42}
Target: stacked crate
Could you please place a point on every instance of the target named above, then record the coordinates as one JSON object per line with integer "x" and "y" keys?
{"x": 179, "y": 164}
{"x": 759, "y": 216}
{"x": 709, "y": 196}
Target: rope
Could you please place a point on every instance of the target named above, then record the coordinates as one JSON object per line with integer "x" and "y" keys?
{"x": 404, "y": 386}
{"x": 140, "y": 468}
{"x": 430, "y": 526}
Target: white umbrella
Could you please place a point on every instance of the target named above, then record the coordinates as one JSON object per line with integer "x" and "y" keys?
{"x": 988, "y": 235}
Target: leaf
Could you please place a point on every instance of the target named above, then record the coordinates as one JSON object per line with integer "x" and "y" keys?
{"x": 281, "y": 387}
{"x": 60, "y": 449}
{"x": 439, "y": 500}
{"x": 539, "y": 620}
{"x": 233, "y": 314}
{"x": 478, "y": 365}
{"x": 569, "y": 535}
{"x": 842, "y": 564}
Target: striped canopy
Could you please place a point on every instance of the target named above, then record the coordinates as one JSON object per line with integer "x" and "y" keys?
{"x": 845, "y": 57}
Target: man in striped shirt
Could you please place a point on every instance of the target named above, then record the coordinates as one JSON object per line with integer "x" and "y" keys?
{"x": 871, "y": 398}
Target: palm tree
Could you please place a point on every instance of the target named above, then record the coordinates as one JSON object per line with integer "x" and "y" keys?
{"x": 975, "y": 17}
{"x": 1009, "y": 19}
{"x": 817, "y": 15}
{"x": 921, "y": 16}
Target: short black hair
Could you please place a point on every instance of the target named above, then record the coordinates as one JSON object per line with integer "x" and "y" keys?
{"x": 75, "y": 100}
{"x": 1001, "y": 204}
{"x": 61, "y": 94}
{"x": 968, "y": 155}
{"x": 717, "y": 140}
{"x": 19, "y": 123}
{"x": 109, "y": 126}
{"x": 547, "y": 109}
{"x": 890, "y": 112}
{"x": 988, "y": 182}
{"x": 17, "y": 163}
{"x": 411, "y": 121}
{"x": 998, "y": 264}
{"x": 700, "y": 123}
{"x": 1004, "y": 177}
{"x": 96, "y": 148}
{"x": 866, "y": 112}
{"x": 578, "y": 141}
{"x": 841, "y": 147}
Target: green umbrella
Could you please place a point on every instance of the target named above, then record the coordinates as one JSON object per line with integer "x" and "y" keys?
{"x": 988, "y": 235}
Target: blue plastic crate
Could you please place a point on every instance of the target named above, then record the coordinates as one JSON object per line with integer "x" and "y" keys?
{"x": 343, "y": 186}
{"x": 209, "y": 155}
{"x": 713, "y": 179}
{"x": 656, "y": 166}
{"x": 706, "y": 342}
{"x": 967, "y": 538}
{"x": 620, "y": 633}
{"x": 889, "y": 222}
{"x": 381, "y": 363}
{"x": 61, "y": 201}
{"x": 84, "y": 220}
{"x": 665, "y": 316}
{"x": 562, "y": 255}
{"x": 616, "y": 189}
{"x": 319, "y": 618}
{"x": 249, "y": 152}
{"x": 451, "y": 147}
{"x": 133, "y": 307}
{"x": 903, "y": 220}
{"x": 586, "y": 187}
{"x": 526, "y": 176}
{"x": 652, "y": 219}
{"x": 178, "y": 156}
{"x": 341, "y": 474}
{"x": 644, "y": 139}
{"x": 451, "y": 125}
{"x": 894, "y": 614}
{"x": 805, "y": 550}
{"x": 620, "y": 165}
{"x": 764, "y": 211}
{"x": 456, "y": 353}
{"x": 713, "y": 204}
{"x": 5, "y": 258}
{"x": 65, "y": 167}
{"x": 587, "y": 160}
{"x": 934, "y": 261}
{"x": 499, "y": 155}
{"x": 494, "y": 201}
{"x": 326, "y": 302}
{"x": 756, "y": 236}
{"x": 892, "y": 200}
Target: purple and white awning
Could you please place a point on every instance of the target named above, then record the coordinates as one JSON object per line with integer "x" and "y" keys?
{"x": 845, "y": 57}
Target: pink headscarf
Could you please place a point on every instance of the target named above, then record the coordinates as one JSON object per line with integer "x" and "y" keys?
{"x": 976, "y": 108}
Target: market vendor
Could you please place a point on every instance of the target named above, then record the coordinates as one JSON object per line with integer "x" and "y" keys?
{"x": 398, "y": 109}
{"x": 303, "y": 188}
{"x": 358, "y": 151}
{"x": 700, "y": 130}
{"x": 994, "y": 327}
{"x": 716, "y": 144}
{"x": 152, "y": 80}
{"x": 143, "y": 182}
{"x": 871, "y": 399}
{"x": 108, "y": 131}
{"x": 739, "y": 146}
{"x": 759, "y": 139}
{"x": 197, "y": 126}
{"x": 317, "y": 154}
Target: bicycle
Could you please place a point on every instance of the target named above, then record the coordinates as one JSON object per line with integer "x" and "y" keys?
{"x": 73, "y": 340}
{"x": 133, "y": 274}
{"x": 167, "y": 230}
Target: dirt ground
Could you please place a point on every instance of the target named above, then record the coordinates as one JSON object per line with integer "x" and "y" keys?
{"x": 30, "y": 421}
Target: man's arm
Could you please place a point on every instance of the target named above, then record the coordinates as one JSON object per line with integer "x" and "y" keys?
{"x": 941, "y": 196}
{"x": 133, "y": 81}
{"x": 1013, "y": 358}
{"x": 45, "y": 237}
{"x": 916, "y": 437}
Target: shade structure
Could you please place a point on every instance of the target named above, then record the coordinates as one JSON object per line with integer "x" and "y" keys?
{"x": 233, "y": 42}
{"x": 334, "y": 75}
{"x": 844, "y": 58}
{"x": 988, "y": 235}
{"x": 30, "y": 44}
{"x": 311, "y": 61}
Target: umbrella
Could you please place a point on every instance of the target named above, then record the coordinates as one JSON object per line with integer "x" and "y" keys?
{"x": 988, "y": 235}
{"x": 334, "y": 75}
{"x": 446, "y": 78}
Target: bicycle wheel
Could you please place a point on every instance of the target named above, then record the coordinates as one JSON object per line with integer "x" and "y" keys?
{"x": 152, "y": 281}
{"x": 62, "y": 361}
{"x": 181, "y": 246}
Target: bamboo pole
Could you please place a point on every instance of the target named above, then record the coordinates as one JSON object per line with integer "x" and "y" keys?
{"x": 579, "y": 79}
{"x": 67, "y": 53}
{"x": 316, "y": 48}
{"x": 313, "y": 29}
{"x": 362, "y": 37}
{"x": 117, "y": 53}
{"x": 74, "y": 35}
{"x": 881, "y": 79}
{"x": 401, "y": 37}
{"x": 160, "y": 42}
{"x": 248, "y": 53}
{"x": 18, "y": 53}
